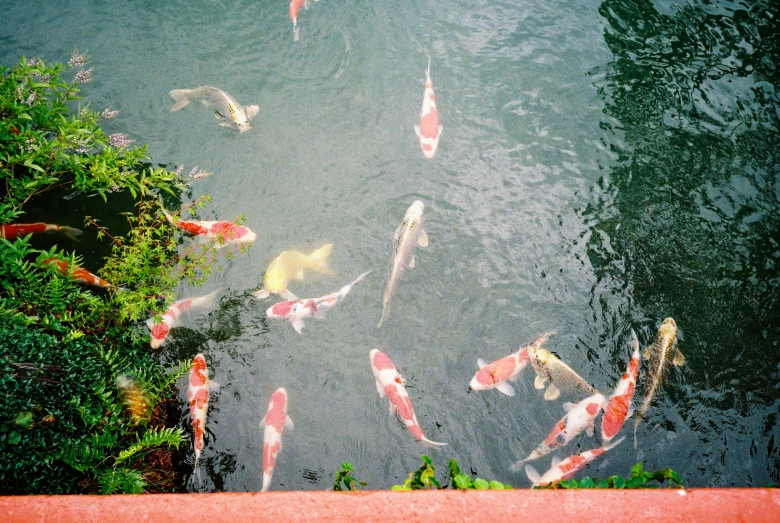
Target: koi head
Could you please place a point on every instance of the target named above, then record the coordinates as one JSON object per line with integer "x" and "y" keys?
{"x": 668, "y": 329}
{"x": 275, "y": 281}
{"x": 415, "y": 211}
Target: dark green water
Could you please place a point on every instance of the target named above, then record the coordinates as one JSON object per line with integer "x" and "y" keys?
{"x": 603, "y": 165}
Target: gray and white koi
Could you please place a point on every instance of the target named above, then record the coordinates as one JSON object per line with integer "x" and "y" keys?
{"x": 549, "y": 367}
{"x": 408, "y": 235}
{"x": 234, "y": 114}
{"x": 661, "y": 355}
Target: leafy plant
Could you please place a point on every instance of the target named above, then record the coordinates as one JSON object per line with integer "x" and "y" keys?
{"x": 638, "y": 479}
{"x": 424, "y": 479}
{"x": 345, "y": 475}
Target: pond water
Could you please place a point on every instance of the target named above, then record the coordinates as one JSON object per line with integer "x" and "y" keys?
{"x": 603, "y": 165}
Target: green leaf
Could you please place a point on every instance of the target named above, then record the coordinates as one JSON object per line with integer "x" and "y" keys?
{"x": 496, "y": 485}
{"x": 14, "y": 438}
{"x": 481, "y": 484}
{"x": 587, "y": 483}
{"x": 24, "y": 420}
{"x": 462, "y": 481}
{"x": 618, "y": 482}
{"x": 427, "y": 459}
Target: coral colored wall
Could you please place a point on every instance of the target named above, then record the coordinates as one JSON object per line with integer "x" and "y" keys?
{"x": 705, "y": 505}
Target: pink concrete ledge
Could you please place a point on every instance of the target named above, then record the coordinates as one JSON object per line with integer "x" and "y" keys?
{"x": 660, "y": 506}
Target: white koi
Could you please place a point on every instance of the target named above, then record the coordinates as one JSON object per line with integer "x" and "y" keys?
{"x": 275, "y": 421}
{"x": 171, "y": 316}
{"x": 429, "y": 130}
{"x": 562, "y": 470}
{"x": 389, "y": 383}
{"x": 296, "y": 311}
{"x": 579, "y": 417}
{"x": 198, "y": 393}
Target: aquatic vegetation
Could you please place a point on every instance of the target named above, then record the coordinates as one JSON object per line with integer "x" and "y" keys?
{"x": 424, "y": 479}
{"x": 637, "y": 479}
{"x": 345, "y": 476}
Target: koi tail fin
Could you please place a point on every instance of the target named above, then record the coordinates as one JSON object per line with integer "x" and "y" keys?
{"x": 431, "y": 444}
{"x": 359, "y": 278}
{"x": 614, "y": 444}
{"x": 206, "y": 300}
{"x": 266, "y": 482}
{"x": 428, "y": 71}
{"x": 639, "y": 417}
{"x": 385, "y": 314}
{"x": 296, "y": 32}
{"x": 532, "y": 474}
{"x": 181, "y": 97}
{"x": 517, "y": 464}
{"x": 318, "y": 260}
{"x": 70, "y": 232}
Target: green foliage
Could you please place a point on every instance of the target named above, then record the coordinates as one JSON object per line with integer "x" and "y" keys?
{"x": 62, "y": 418}
{"x": 424, "y": 479}
{"x": 345, "y": 475}
{"x": 121, "y": 480}
{"x": 638, "y": 479}
{"x": 44, "y": 145}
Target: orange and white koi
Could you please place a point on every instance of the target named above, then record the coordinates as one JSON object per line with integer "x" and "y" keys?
{"x": 79, "y": 273}
{"x": 11, "y": 231}
{"x": 496, "y": 375}
{"x": 295, "y": 7}
{"x": 618, "y": 408}
{"x": 198, "y": 394}
{"x": 429, "y": 129}
{"x": 389, "y": 383}
{"x": 296, "y": 311}
{"x": 579, "y": 417}
{"x": 562, "y": 470}
{"x": 170, "y": 317}
{"x": 275, "y": 420}
{"x": 224, "y": 233}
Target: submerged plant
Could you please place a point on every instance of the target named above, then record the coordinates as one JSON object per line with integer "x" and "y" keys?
{"x": 424, "y": 479}
{"x": 638, "y": 479}
{"x": 345, "y": 476}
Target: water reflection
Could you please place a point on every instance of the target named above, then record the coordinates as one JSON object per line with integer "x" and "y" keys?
{"x": 687, "y": 221}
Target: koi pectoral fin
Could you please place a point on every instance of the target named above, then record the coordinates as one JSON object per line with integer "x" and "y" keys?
{"x": 552, "y": 393}
{"x": 678, "y": 359}
{"x": 298, "y": 325}
{"x": 422, "y": 241}
{"x": 539, "y": 382}
{"x": 417, "y": 130}
{"x": 506, "y": 388}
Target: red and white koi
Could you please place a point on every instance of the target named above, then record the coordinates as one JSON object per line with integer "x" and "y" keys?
{"x": 275, "y": 420}
{"x": 79, "y": 273}
{"x": 11, "y": 231}
{"x": 296, "y": 311}
{"x": 562, "y": 470}
{"x": 496, "y": 375}
{"x": 198, "y": 394}
{"x": 429, "y": 129}
{"x": 295, "y": 7}
{"x": 389, "y": 383}
{"x": 171, "y": 316}
{"x": 224, "y": 233}
{"x": 618, "y": 408}
{"x": 579, "y": 417}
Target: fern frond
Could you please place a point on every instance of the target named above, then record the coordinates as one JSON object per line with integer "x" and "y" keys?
{"x": 152, "y": 438}
{"x": 125, "y": 481}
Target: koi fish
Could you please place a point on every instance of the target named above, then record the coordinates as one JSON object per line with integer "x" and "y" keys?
{"x": 579, "y": 417}
{"x": 135, "y": 398}
{"x": 275, "y": 420}
{"x": 661, "y": 354}
{"x": 289, "y": 265}
{"x": 496, "y": 375}
{"x": 549, "y": 367}
{"x": 296, "y": 311}
{"x": 562, "y": 470}
{"x": 234, "y": 114}
{"x": 224, "y": 233}
{"x": 198, "y": 397}
{"x": 617, "y": 411}
{"x": 11, "y": 231}
{"x": 408, "y": 235}
{"x": 389, "y": 383}
{"x": 295, "y": 7}
{"x": 429, "y": 129}
{"x": 79, "y": 273}
{"x": 171, "y": 316}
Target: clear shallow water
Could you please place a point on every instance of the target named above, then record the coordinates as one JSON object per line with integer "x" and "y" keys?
{"x": 602, "y": 166}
